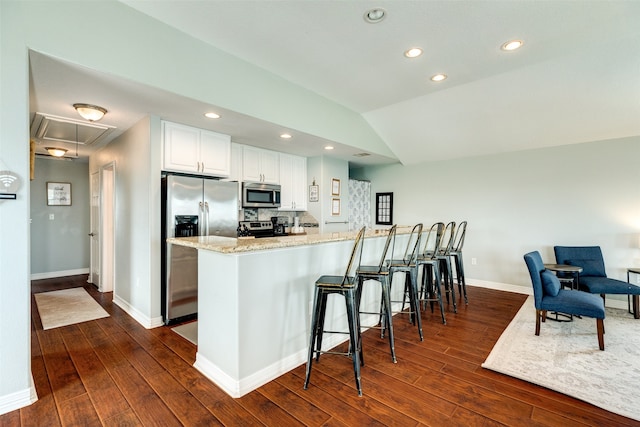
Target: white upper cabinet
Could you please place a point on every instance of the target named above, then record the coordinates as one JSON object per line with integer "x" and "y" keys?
{"x": 260, "y": 165}
{"x": 192, "y": 150}
{"x": 293, "y": 180}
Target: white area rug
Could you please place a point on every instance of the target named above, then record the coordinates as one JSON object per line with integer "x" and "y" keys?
{"x": 66, "y": 307}
{"x": 565, "y": 357}
{"x": 189, "y": 331}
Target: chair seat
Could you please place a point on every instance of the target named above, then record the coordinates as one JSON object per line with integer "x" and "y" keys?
{"x": 399, "y": 263}
{"x": 575, "y": 302}
{"x": 372, "y": 270}
{"x": 336, "y": 282}
{"x": 605, "y": 285}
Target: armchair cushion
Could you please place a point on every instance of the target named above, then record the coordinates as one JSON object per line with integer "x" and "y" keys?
{"x": 605, "y": 285}
{"x": 550, "y": 283}
{"x": 590, "y": 267}
{"x": 575, "y": 302}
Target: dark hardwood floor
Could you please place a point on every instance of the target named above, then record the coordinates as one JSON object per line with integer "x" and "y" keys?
{"x": 114, "y": 372}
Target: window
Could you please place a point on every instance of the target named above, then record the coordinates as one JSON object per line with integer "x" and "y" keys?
{"x": 384, "y": 208}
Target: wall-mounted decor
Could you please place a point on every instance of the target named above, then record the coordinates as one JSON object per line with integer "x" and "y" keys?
{"x": 314, "y": 193}
{"x": 384, "y": 208}
{"x": 335, "y": 206}
{"x": 335, "y": 187}
{"x": 59, "y": 193}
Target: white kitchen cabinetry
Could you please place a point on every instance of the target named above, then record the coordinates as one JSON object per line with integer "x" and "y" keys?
{"x": 293, "y": 179}
{"x": 192, "y": 150}
{"x": 260, "y": 165}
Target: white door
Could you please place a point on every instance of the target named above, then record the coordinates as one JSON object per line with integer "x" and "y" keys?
{"x": 94, "y": 235}
{"x": 107, "y": 228}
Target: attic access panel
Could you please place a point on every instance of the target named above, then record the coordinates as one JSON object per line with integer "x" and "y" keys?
{"x": 46, "y": 127}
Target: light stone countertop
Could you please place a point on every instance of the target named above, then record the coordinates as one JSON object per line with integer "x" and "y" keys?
{"x": 231, "y": 245}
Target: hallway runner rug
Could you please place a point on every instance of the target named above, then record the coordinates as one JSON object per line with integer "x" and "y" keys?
{"x": 66, "y": 307}
{"x": 565, "y": 358}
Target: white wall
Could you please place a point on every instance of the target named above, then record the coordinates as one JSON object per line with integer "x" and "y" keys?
{"x": 59, "y": 247}
{"x": 584, "y": 194}
{"x": 137, "y": 219}
{"x": 323, "y": 170}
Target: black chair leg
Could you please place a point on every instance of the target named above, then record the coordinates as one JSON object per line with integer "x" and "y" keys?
{"x": 312, "y": 338}
{"x": 354, "y": 336}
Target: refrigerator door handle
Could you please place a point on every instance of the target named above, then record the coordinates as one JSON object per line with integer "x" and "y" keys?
{"x": 206, "y": 208}
{"x": 201, "y": 219}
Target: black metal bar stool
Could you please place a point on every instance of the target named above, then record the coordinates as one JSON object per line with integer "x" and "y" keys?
{"x": 430, "y": 265}
{"x": 456, "y": 254}
{"x": 380, "y": 273}
{"x": 444, "y": 255}
{"x": 346, "y": 286}
{"x": 408, "y": 265}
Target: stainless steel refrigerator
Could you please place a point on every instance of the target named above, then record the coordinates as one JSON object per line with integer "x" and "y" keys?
{"x": 192, "y": 206}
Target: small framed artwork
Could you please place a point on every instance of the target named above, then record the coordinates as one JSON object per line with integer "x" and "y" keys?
{"x": 335, "y": 206}
{"x": 335, "y": 187}
{"x": 59, "y": 193}
{"x": 384, "y": 208}
{"x": 314, "y": 193}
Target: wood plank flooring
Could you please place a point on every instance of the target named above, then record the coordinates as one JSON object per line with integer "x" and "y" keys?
{"x": 113, "y": 372}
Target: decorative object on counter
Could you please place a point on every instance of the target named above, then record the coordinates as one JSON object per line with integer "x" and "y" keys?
{"x": 314, "y": 192}
{"x": 9, "y": 185}
{"x": 296, "y": 229}
{"x": 335, "y": 206}
{"x": 335, "y": 187}
{"x": 58, "y": 193}
{"x": 384, "y": 208}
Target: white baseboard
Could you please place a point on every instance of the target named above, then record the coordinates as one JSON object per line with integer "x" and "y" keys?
{"x": 62, "y": 273}
{"x": 19, "y": 399}
{"x": 138, "y": 316}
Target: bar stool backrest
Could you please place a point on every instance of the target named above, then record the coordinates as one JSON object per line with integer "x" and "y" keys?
{"x": 446, "y": 243}
{"x": 413, "y": 245}
{"x": 432, "y": 240}
{"x": 354, "y": 261}
{"x": 459, "y": 239}
{"x": 391, "y": 241}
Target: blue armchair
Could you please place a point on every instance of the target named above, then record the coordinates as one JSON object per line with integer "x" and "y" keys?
{"x": 549, "y": 297}
{"x": 593, "y": 278}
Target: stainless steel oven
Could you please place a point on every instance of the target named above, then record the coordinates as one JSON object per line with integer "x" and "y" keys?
{"x": 259, "y": 195}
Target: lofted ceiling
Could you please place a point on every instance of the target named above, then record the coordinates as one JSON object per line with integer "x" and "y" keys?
{"x": 575, "y": 80}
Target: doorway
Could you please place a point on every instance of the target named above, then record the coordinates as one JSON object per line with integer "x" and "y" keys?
{"x": 106, "y": 234}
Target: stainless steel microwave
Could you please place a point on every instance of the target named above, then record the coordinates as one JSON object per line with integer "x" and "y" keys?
{"x": 259, "y": 195}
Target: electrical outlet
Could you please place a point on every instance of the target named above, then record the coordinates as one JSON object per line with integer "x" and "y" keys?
{"x": 51, "y": 217}
{"x": 474, "y": 261}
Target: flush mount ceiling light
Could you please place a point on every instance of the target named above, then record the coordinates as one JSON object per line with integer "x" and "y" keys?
{"x": 285, "y": 136}
{"x": 375, "y": 15}
{"x": 438, "y": 77}
{"x": 212, "y": 115}
{"x": 328, "y": 147}
{"x": 512, "y": 45}
{"x": 56, "y": 152}
{"x": 90, "y": 112}
{"x": 414, "y": 52}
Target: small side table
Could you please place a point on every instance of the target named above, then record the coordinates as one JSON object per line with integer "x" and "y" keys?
{"x": 573, "y": 270}
{"x": 636, "y": 299}
{"x": 572, "y": 281}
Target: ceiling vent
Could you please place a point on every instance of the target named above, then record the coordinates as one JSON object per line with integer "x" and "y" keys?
{"x": 46, "y": 127}
{"x": 361, "y": 155}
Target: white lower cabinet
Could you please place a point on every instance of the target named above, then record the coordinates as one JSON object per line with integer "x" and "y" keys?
{"x": 293, "y": 180}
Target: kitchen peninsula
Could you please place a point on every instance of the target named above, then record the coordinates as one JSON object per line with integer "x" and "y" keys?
{"x": 255, "y": 298}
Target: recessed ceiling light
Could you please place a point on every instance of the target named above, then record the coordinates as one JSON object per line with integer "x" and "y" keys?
{"x": 328, "y": 147}
{"x": 512, "y": 45}
{"x": 413, "y": 52}
{"x": 212, "y": 115}
{"x": 285, "y": 136}
{"x": 438, "y": 77}
{"x": 375, "y": 15}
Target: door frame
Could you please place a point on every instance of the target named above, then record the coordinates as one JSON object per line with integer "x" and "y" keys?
{"x": 107, "y": 227}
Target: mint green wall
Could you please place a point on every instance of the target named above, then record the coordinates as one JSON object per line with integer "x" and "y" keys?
{"x": 61, "y": 244}
{"x": 582, "y": 194}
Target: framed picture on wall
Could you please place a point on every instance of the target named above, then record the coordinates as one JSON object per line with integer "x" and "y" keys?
{"x": 59, "y": 193}
{"x": 335, "y": 187}
{"x": 314, "y": 193}
{"x": 335, "y": 206}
